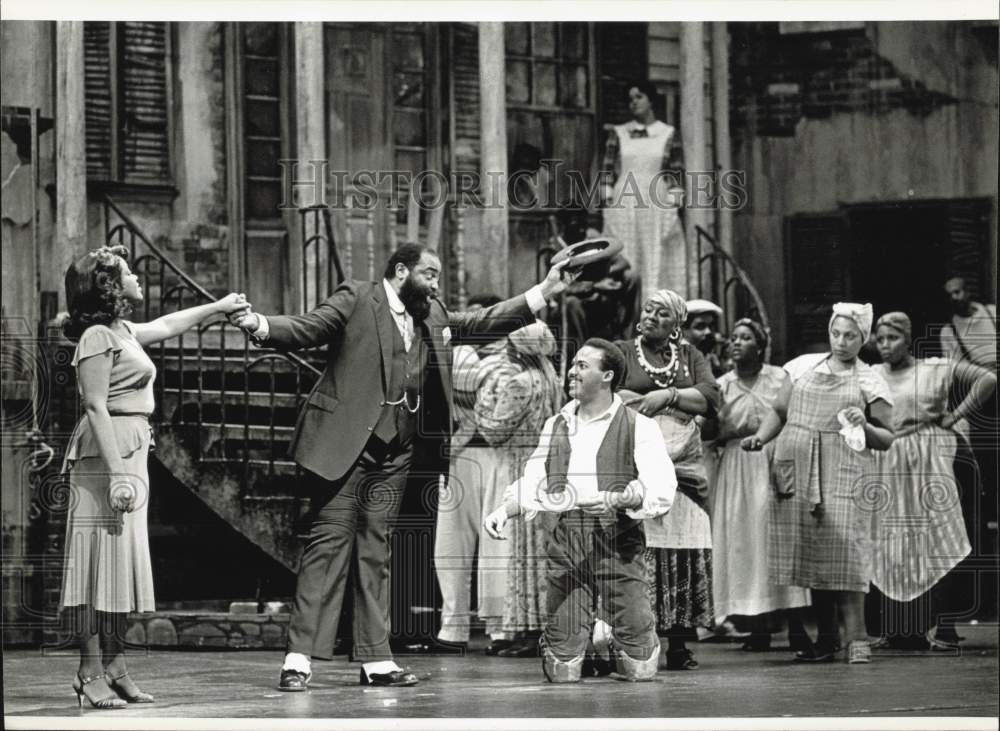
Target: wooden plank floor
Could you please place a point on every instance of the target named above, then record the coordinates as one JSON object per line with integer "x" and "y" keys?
{"x": 241, "y": 684}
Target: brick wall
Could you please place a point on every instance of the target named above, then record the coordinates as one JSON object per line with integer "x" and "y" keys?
{"x": 779, "y": 79}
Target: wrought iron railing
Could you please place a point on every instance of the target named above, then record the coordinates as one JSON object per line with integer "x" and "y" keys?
{"x": 214, "y": 393}
{"x": 724, "y": 282}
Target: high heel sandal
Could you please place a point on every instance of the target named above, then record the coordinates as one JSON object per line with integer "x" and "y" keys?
{"x": 140, "y": 696}
{"x": 108, "y": 703}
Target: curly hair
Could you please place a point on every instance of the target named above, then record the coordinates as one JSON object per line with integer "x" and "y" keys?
{"x": 94, "y": 291}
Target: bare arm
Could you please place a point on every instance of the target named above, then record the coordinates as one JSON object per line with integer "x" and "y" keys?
{"x": 774, "y": 421}
{"x": 172, "y": 325}
{"x": 878, "y": 429}
{"x": 977, "y": 383}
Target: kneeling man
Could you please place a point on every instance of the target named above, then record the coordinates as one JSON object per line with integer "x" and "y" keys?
{"x": 604, "y": 469}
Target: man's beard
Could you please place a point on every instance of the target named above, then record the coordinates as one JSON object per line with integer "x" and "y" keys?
{"x": 415, "y": 299}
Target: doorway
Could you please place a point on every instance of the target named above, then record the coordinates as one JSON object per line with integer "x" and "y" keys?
{"x": 896, "y": 255}
{"x": 904, "y": 252}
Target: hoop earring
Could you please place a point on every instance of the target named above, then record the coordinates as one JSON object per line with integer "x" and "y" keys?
{"x": 676, "y": 335}
{"x": 638, "y": 327}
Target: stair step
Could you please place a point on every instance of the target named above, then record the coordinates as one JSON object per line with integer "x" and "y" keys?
{"x": 237, "y": 432}
{"x": 235, "y": 398}
{"x": 281, "y": 467}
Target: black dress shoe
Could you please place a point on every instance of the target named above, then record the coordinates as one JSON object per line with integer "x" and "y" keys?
{"x": 293, "y": 681}
{"x": 521, "y": 648}
{"x": 395, "y": 678}
{"x": 497, "y": 646}
{"x": 438, "y": 647}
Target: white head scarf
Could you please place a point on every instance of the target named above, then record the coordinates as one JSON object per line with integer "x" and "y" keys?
{"x": 861, "y": 314}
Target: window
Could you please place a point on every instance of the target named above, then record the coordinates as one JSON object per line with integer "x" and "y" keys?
{"x": 127, "y": 102}
{"x": 548, "y": 65}
{"x": 264, "y": 66}
{"x": 551, "y": 111}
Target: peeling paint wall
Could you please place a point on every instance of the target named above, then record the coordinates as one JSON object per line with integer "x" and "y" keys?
{"x": 874, "y": 153}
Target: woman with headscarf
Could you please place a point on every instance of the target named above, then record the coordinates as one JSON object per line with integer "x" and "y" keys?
{"x": 668, "y": 380}
{"x": 920, "y": 533}
{"x": 518, "y": 390}
{"x": 641, "y": 207}
{"x": 821, "y": 518}
{"x": 741, "y": 494}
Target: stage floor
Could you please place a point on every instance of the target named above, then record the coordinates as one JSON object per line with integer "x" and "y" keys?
{"x": 241, "y": 684}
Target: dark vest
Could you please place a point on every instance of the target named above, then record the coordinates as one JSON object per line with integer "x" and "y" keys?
{"x": 615, "y": 457}
{"x": 405, "y": 376}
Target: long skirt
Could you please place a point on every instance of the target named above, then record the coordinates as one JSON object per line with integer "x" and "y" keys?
{"x": 680, "y": 585}
{"x": 740, "y": 506}
{"x": 920, "y": 532}
{"x": 107, "y": 564}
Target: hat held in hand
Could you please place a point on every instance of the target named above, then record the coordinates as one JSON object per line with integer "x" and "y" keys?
{"x": 590, "y": 256}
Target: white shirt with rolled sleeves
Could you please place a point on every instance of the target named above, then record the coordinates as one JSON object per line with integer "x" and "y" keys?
{"x": 657, "y": 481}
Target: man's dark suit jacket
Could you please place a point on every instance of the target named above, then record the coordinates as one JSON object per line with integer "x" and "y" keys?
{"x": 357, "y": 325}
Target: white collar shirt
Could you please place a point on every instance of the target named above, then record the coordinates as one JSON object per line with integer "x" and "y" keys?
{"x": 657, "y": 481}
{"x": 403, "y": 319}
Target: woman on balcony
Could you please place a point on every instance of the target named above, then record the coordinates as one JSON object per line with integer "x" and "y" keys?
{"x": 641, "y": 207}
{"x": 667, "y": 379}
{"x": 107, "y": 571}
{"x": 825, "y": 477}
{"x": 921, "y": 535}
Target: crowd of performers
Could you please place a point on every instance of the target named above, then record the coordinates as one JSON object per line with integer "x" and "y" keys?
{"x": 673, "y": 482}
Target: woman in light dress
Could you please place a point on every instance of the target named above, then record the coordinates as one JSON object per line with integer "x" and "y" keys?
{"x": 741, "y": 495}
{"x": 921, "y": 533}
{"x": 107, "y": 570}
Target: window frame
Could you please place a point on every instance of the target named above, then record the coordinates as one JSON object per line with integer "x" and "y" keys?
{"x": 119, "y": 183}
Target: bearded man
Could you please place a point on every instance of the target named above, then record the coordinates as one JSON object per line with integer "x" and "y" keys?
{"x": 386, "y": 386}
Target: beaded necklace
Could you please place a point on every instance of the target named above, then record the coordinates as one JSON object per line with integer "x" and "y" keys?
{"x": 665, "y": 376}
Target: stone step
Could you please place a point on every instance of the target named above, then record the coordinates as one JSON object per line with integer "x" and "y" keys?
{"x": 191, "y": 628}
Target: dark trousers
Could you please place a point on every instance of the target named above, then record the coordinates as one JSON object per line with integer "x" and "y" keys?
{"x": 351, "y": 527}
{"x": 584, "y": 557}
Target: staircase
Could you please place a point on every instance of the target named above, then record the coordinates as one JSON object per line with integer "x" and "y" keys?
{"x": 226, "y": 411}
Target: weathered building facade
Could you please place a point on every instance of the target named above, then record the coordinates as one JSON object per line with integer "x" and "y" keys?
{"x": 176, "y": 139}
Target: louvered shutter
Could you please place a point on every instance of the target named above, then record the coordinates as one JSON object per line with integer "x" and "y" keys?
{"x": 126, "y": 90}
{"x": 818, "y": 274}
{"x": 98, "y": 95}
{"x": 968, "y": 246}
{"x": 144, "y": 136}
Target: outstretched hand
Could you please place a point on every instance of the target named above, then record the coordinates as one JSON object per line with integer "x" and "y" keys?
{"x": 233, "y": 303}
{"x": 558, "y": 279}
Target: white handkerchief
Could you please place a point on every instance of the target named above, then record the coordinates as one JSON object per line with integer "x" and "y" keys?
{"x": 853, "y": 435}
{"x": 446, "y": 334}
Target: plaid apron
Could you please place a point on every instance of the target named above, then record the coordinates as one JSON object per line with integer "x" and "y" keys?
{"x": 814, "y": 465}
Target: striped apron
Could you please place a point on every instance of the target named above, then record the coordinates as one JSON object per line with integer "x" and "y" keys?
{"x": 829, "y": 549}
